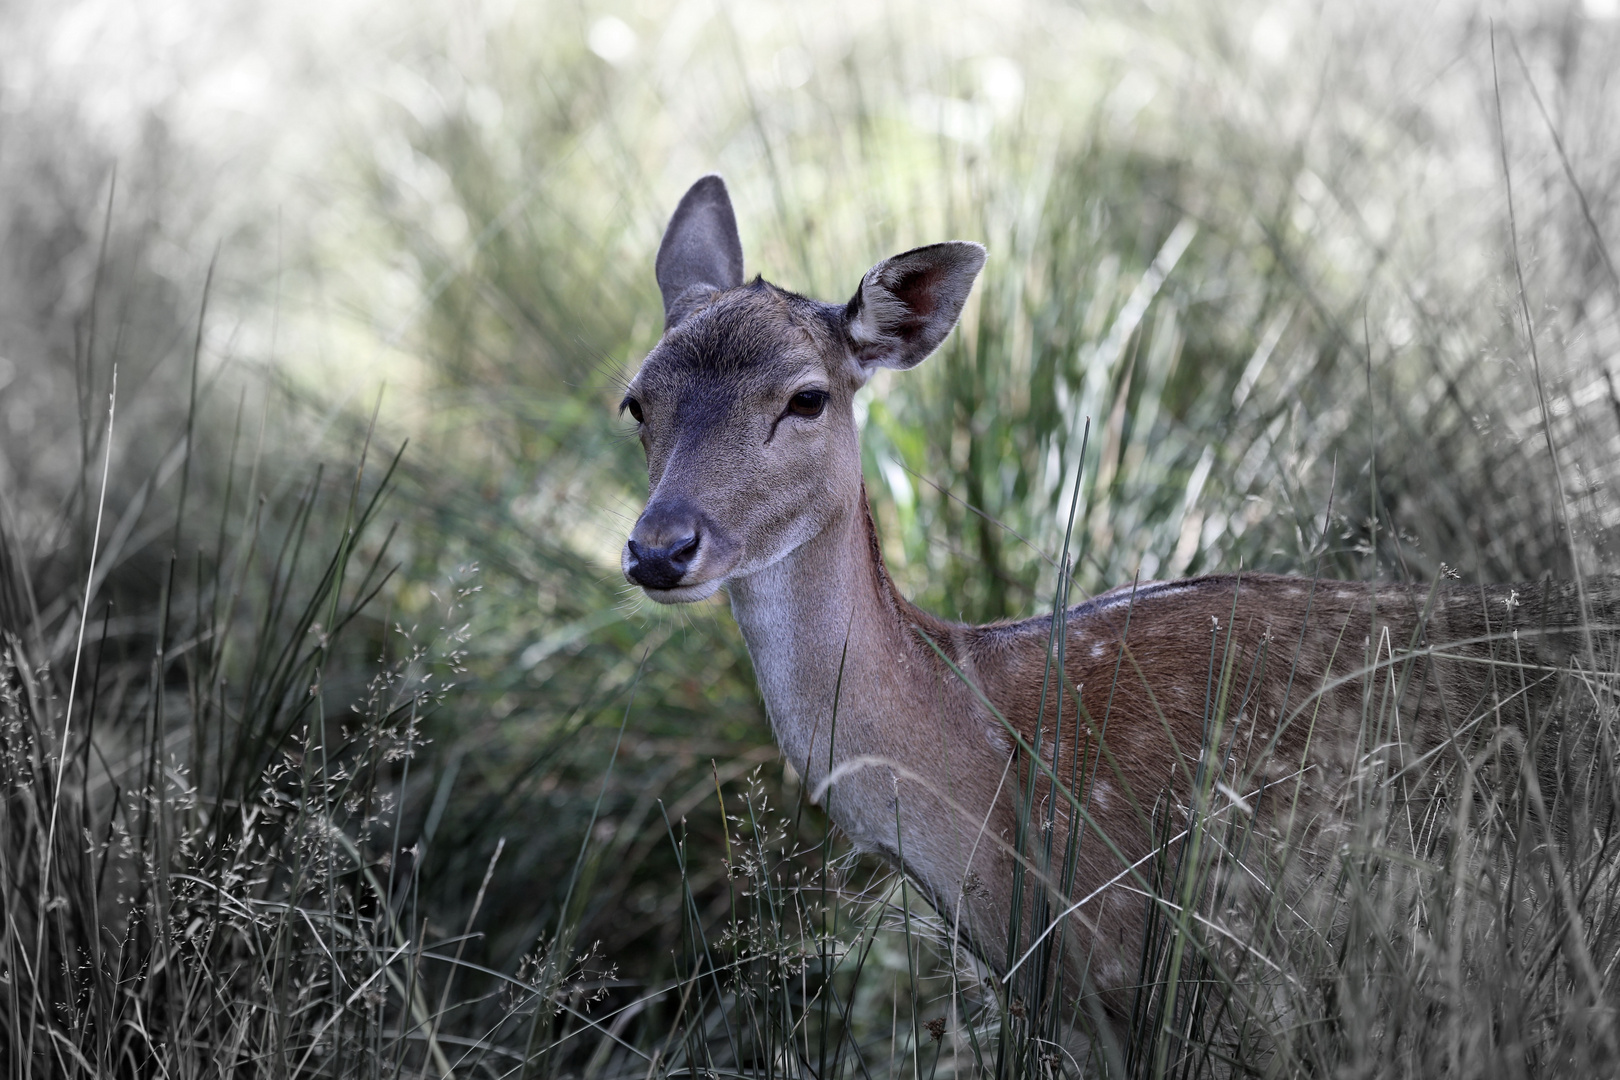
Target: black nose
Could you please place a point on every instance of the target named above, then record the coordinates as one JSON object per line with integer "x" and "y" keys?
{"x": 661, "y": 567}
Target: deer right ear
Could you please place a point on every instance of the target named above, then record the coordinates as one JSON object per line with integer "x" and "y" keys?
{"x": 908, "y": 304}
{"x": 701, "y": 251}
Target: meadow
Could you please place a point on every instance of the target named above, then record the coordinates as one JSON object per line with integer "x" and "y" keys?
{"x": 332, "y": 742}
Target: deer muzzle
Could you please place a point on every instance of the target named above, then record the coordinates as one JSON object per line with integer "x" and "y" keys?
{"x": 676, "y": 553}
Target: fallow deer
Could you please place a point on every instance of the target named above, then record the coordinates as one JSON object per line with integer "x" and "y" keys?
{"x": 922, "y": 735}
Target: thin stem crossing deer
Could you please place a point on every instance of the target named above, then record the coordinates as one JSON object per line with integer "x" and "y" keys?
{"x": 1012, "y": 770}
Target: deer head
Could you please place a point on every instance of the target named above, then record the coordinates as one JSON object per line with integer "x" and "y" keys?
{"x": 744, "y": 407}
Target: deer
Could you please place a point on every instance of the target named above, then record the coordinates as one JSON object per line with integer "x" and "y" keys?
{"x": 921, "y": 736}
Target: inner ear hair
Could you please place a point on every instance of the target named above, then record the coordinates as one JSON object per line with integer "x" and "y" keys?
{"x": 907, "y": 304}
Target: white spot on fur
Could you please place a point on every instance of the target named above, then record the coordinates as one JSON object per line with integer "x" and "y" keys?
{"x": 997, "y": 738}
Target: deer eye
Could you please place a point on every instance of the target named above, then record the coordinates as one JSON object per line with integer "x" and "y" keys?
{"x": 807, "y": 403}
{"x": 635, "y": 408}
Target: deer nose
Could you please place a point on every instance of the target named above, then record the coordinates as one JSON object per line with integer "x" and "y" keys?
{"x": 661, "y": 567}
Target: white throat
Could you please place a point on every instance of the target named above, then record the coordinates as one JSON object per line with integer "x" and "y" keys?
{"x": 805, "y": 618}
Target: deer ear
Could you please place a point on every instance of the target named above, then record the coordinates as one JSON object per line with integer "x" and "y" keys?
{"x": 701, "y": 250}
{"x": 907, "y": 304}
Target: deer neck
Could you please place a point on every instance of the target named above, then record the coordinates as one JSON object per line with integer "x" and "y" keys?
{"x": 826, "y": 624}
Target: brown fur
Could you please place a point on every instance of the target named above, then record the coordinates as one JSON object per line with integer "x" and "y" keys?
{"x": 1304, "y": 676}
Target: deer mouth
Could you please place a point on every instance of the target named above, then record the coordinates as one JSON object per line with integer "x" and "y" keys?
{"x": 683, "y": 594}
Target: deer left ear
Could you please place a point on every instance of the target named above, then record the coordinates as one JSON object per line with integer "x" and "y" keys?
{"x": 907, "y": 304}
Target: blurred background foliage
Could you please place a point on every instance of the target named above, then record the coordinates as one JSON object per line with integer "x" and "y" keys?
{"x": 1265, "y": 249}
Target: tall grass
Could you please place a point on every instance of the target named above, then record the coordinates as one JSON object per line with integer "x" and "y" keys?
{"x": 1282, "y": 287}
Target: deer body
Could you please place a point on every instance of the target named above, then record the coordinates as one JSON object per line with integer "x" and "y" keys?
{"x": 920, "y": 735}
{"x": 920, "y": 765}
